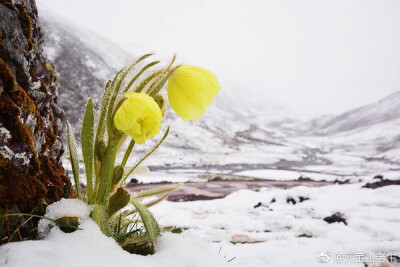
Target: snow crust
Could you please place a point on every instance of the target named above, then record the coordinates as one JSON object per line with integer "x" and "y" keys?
{"x": 63, "y": 208}
{"x": 282, "y": 234}
{"x": 90, "y": 247}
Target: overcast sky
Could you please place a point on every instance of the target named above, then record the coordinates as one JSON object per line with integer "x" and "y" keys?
{"x": 313, "y": 56}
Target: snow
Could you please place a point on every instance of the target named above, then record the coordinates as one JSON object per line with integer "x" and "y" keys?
{"x": 90, "y": 247}
{"x": 373, "y": 217}
{"x": 64, "y": 208}
{"x": 276, "y": 233}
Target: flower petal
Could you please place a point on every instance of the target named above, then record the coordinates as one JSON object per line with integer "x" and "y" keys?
{"x": 139, "y": 116}
{"x": 191, "y": 90}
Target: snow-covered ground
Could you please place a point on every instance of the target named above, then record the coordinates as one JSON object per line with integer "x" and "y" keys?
{"x": 90, "y": 247}
{"x": 278, "y": 233}
{"x": 252, "y": 229}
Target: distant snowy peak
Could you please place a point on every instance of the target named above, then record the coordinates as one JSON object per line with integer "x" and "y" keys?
{"x": 383, "y": 111}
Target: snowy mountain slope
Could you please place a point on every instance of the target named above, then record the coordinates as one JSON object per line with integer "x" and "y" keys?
{"x": 372, "y": 130}
{"x": 83, "y": 60}
{"x": 383, "y": 111}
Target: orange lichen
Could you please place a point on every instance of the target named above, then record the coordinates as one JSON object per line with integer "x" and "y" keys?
{"x": 43, "y": 181}
{"x": 43, "y": 87}
{"x": 6, "y": 77}
{"x": 53, "y": 177}
{"x": 9, "y": 4}
{"x": 26, "y": 24}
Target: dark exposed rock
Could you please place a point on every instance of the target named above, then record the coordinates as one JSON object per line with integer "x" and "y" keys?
{"x": 216, "y": 179}
{"x": 133, "y": 181}
{"x": 337, "y": 181}
{"x": 31, "y": 174}
{"x": 379, "y": 177}
{"x": 291, "y": 200}
{"x": 258, "y": 205}
{"x": 336, "y": 217}
{"x": 302, "y": 199}
{"x": 381, "y": 183}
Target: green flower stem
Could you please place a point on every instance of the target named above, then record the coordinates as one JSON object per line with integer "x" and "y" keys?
{"x": 130, "y": 171}
{"x": 127, "y": 153}
{"x": 107, "y": 169}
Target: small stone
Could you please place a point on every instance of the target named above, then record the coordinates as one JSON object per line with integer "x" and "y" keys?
{"x": 336, "y": 217}
{"x": 242, "y": 239}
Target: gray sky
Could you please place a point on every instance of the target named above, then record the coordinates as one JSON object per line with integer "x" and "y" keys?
{"x": 312, "y": 56}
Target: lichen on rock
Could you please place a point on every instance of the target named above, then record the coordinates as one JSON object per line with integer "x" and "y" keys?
{"x": 31, "y": 174}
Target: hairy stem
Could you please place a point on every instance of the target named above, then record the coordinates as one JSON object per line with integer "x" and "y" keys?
{"x": 127, "y": 153}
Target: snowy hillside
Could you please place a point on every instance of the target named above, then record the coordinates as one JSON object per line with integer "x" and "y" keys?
{"x": 370, "y": 133}
{"x": 83, "y": 61}
{"x": 383, "y": 111}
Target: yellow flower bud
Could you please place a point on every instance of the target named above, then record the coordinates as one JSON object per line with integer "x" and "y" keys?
{"x": 191, "y": 90}
{"x": 139, "y": 117}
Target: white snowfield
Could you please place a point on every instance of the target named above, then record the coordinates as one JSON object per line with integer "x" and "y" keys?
{"x": 282, "y": 234}
{"x": 90, "y": 247}
{"x": 276, "y": 233}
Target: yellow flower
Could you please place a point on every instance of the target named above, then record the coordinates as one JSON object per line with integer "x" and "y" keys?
{"x": 191, "y": 90}
{"x": 139, "y": 117}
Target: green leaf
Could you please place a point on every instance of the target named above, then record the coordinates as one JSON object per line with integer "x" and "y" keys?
{"x": 57, "y": 222}
{"x": 130, "y": 171}
{"x": 156, "y": 201}
{"x": 149, "y": 78}
{"x": 74, "y": 158}
{"x": 100, "y": 131}
{"x": 157, "y": 190}
{"x": 87, "y": 146}
{"x": 147, "y": 205}
{"x": 127, "y": 153}
{"x": 149, "y": 222}
{"x": 118, "y": 201}
{"x": 140, "y": 73}
{"x": 105, "y": 101}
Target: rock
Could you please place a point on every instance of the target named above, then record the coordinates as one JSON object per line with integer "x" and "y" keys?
{"x": 381, "y": 183}
{"x": 291, "y": 200}
{"x": 379, "y": 177}
{"x": 133, "y": 181}
{"x": 258, "y": 205}
{"x": 242, "y": 239}
{"x": 336, "y": 217}
{"x": 216, "y": 179}
{"x": 31, "y": 174}
{"x": 301, "y": 198}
